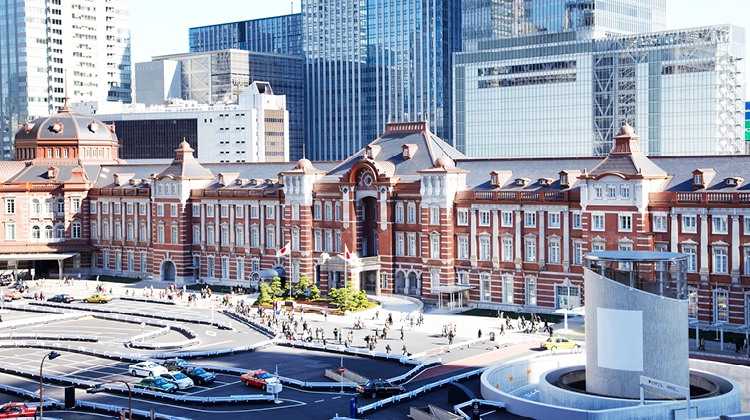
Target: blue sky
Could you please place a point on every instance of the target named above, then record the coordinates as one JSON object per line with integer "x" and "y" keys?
{"x": 161, "y": 27}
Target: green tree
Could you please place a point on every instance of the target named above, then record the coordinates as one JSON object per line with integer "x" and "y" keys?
{"x": 275, "y": 287}
{"x": 264, "y": 298}
{"x": 302, "y": 285}
{"x": 287, "y": 290}
{"x": 314, "y": 292}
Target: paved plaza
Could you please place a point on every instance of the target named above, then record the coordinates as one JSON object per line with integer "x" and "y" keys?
{"x": 297, "y": 363}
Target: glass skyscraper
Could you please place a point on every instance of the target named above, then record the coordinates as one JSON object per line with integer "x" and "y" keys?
{"x": 278, "y": 34}
{"x": 48, "y": 45}
{"x": 485, "y": 20}
{"x": 567, "y": 93}
{"x": 373, "y": 61}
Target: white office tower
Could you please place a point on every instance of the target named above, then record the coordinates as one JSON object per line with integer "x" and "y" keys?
{"x": 157, "y": 81}
{"x": 43, "y": 40}
{"x": 256, "y": 129}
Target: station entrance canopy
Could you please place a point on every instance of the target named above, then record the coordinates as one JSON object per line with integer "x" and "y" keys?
{"x": 13, "y": 259}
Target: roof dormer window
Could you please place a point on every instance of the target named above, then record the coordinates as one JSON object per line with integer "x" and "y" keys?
{"x": 545, "y": 182}
{"x": 408, "y": 150}
{"x": 522, "y": 182}
{"x": 52, "y": 172}
{"x": 702, "y": 178}
{"x": 733, "y": 181}
{"x": 371, "y": 152}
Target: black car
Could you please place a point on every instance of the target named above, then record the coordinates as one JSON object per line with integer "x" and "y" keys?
{"x": 61, "y": 298}
{"x": 199, "y": 375}
{"x": 176, "y": 364}
{"x": 379, "y": 388}
{"x": 5, "y": 281}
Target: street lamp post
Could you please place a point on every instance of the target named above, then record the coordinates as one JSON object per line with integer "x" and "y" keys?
{"x": 51, "y": 355}
{"x": 100, "y": 387}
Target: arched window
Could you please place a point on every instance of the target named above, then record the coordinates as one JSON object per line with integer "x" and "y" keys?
{"x": 413, "y": 281}
{"x": 35, "y": 233}
{"x": 48, "y": 232}
{"x": 48, "y": 208}
{"x": 60, "y": 233}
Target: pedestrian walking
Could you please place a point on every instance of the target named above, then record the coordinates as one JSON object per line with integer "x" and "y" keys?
{"x": 388, "y": 348}
{"x": 738, "y": 345}
{"x": 402, "y": 333}
{"x": 403, "y": 350}
{"x": 450, "y": 338}
{"x": 551, "y": 330}
{"x": 479, "y": 334}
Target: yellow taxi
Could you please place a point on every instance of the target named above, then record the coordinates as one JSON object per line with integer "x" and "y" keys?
{"x": 97, "y": 298}
{"x": 559, "y": 343}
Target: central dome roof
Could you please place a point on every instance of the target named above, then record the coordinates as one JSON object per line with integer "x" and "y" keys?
{"x": 66, "y": 125}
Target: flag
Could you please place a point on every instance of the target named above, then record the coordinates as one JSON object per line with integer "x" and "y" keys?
{"x": 347, "y": 255}
{"x": 283, "y": 251}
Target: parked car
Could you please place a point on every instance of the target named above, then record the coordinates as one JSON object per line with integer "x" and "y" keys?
{"x": 64, "y": 298}
{"x": 176, "y": 364}
{"x": 557, "y": 342}
{"x": 12, "y": 294}
{"x": 156, "y": 384}
{"x": 179, "y": 379}
{"x": 97, "y": 298}
{"x": 379, "y": 388}
{"x": 259, "y": 378}
{"x": 199, "y": 375}
{"x": 5, "y": 281}
{"x": 15, "y": 410}
{"x": 146, "y": 369}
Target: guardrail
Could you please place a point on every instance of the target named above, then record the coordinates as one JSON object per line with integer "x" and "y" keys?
{"x": 458, "y": 408}
{"x": 100, "y": 309}
{"x": 444, "y": 349}
{"x": 39, "y": 336}
{"x": 414, "y": 393}
{"x": 260, "y": 327}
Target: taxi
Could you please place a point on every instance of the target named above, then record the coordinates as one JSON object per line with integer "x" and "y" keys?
{"x": 12, "y": 295}
{"x": 259, "y": 378}
{"x": 559, "y": 343}
{"x": 156, "y": 384}
{"x": 15, "y": 410}
{"x": 97, "y": 298}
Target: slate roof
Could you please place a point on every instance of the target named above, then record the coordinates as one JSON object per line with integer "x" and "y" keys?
{"x": 478, "y": 177}
{"x": 390, "y": 156}
{"x": 38, "y": 173}
{"x": 726, "y": 166}
{"x": 10, "y": 168}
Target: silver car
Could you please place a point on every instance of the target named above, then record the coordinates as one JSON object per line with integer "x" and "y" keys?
{"x": 179, "y": 379}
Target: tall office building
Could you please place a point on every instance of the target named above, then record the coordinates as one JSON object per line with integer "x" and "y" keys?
{"x": 278, "y": 34}
{"x": 371, "y": 62}
{"x": 220, "y": 76}
{"x": 42, "y": 41}
{"x": 484, "y": 20}
{"x": 567, "y": 93}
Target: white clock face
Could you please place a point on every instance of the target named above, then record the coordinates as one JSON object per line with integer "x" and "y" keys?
{"x": 57, "y": 127}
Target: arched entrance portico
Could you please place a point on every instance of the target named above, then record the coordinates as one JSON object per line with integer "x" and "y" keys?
{"x": 168, "y": 270}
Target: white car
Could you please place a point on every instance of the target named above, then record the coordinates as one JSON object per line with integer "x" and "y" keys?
{"x": 147, "y": 369}
{"x": 179, "y": 379}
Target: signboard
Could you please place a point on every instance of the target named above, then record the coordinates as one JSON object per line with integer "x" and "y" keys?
{"x": 274, "y": 388}
{"x": 664, "y": 386}
{"x": 33, "y": 271}
{"x": 342, "y": 369}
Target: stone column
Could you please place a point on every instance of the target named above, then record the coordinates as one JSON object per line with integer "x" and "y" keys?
{"x": 704, "y": 247}
{"x": 377, "y": 282}
{"x": 518, "y": 239}
{"x": 735, "y": 246}
{"x": 495, "y": 240}
{"x": 473, "y": 237}
{"x": 203, "y": 223}
{"x": 217, "y": 223}
{"x": 566, "y": 241}
{"x": 231, "y": 227}
{"x": 673, "y": 231}
{"x": 542, "y": 243}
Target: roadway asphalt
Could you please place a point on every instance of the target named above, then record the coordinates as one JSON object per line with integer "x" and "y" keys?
{"x": 301, "y": 364}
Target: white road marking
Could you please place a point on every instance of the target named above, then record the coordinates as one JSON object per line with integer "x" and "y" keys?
{"x": 210, "y": 333}
{"x": 212, "y": 344}
{"x": 319, "y": 401}
{"x": 335, "y": 398}
{"x": 489, "y": 412}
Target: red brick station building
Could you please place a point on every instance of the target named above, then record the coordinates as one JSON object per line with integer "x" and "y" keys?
{"x": 421, "y": 219}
